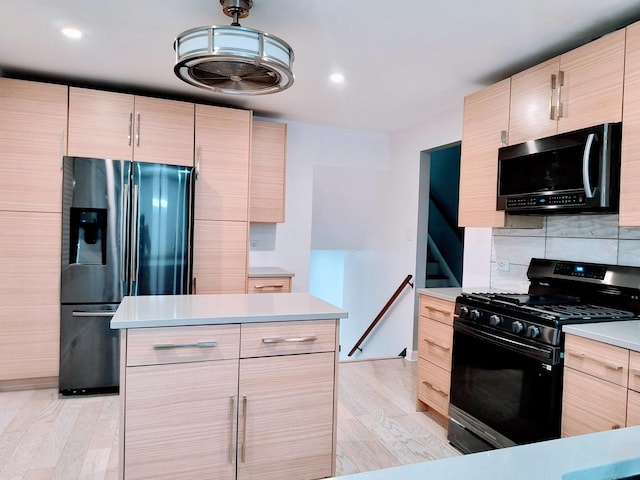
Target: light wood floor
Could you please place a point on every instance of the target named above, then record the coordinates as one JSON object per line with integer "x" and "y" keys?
{"x": 44, "y": 436}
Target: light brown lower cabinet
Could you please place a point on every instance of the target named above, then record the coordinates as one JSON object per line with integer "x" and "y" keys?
{"x": 200, "y": 403}
{"x": 435, "y": 342}
{"x": 600, "y": 387}
{"x": 269, "y": 285}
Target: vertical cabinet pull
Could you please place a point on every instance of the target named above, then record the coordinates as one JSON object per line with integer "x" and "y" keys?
{"x": 61, "y": 149}
{"x": 552, "y": 107}
{"x": 198, "y": 157}
{"x": 503, "y": 138}
{"x": 130, "y": 128}
{"x": 138, "y": 129}
{"x": 559, "y": 109}
{"x": 231, "y": 415}
{"x": 244, "y": 429}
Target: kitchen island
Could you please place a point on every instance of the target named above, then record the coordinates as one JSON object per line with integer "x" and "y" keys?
{"x": 228, "y": 386}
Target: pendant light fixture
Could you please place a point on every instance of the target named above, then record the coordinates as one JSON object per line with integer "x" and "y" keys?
{"x": 234, "y": 59}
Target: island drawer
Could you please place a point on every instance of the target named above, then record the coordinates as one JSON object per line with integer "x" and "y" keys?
{"x": 287, "y": 338}
{"x": 198, "y": 343}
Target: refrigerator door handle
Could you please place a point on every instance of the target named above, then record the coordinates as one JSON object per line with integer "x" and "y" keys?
{"x": 134, "y": 236}
{"x": 102, "y": 313}
{"x": 124, "y": 232}
{"x": 190, "y": 236}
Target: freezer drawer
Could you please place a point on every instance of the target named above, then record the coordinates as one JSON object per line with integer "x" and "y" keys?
{"x": 89, "y": 350}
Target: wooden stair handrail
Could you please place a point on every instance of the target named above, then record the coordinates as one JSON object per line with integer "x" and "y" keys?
{"x": 405, "y": 282}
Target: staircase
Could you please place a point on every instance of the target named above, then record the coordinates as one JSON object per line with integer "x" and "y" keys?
{"x": 438, "y": 272}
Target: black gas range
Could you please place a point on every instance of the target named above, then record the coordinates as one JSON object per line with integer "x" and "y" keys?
{"x": 507, "y": 359}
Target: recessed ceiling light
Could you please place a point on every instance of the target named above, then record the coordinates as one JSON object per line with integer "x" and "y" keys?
{"x": 337, "y": 78}
{"x": 72, "y": 33}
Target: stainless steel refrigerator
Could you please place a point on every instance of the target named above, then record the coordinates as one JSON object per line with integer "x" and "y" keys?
{"x": 126, "y": 230}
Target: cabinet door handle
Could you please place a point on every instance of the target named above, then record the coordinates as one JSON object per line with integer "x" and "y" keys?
{"x": 635, "y": 372}
{"x": 435, "y": 389}
{"x": 559, "y": 109}
{"x": 231, "y": 415}
{"x": 138, "y": 129}
{"x": 435, "y": 344}
{"x": 269, "y": 286}
{"x": 130, "y": 128}
{"x": 169, "y": 346}
{"x": 595, "y": 360}
{"x": 310, "y": 338}
{"x": 244, "y": 428}
{"x": 552, "y": 107}
{"x": 198, "y": 158}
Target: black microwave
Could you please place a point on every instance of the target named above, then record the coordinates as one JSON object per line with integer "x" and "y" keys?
{"x": 567, "y": 173}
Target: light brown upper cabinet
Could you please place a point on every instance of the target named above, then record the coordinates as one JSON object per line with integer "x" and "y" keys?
{"x": 130, "y": 127}
{"x": 33, "y": 130}
{"x": 578, "y": 89}
{"x": 630, "y": 168}
{"x": 486, "y": 121}
{"x": 268, "y": 157}
{"x": 223, "y": 138}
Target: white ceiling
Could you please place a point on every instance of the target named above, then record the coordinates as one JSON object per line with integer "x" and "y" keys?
{"x": 404, "y": 61}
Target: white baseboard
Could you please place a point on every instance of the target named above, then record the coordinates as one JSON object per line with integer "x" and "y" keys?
{"x": 412, "y": 355}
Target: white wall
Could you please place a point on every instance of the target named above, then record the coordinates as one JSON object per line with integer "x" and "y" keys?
{"x": 356, "y": 192}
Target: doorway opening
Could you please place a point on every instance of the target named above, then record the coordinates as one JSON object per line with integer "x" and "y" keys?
{"x": 439, "y": 258}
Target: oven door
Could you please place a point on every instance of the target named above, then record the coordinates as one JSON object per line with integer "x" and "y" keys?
{"x": 505, "y": 390}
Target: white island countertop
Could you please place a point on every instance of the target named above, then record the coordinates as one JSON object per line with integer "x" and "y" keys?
{"x": 180, "y": 310}
{"x": 597, "y": 456}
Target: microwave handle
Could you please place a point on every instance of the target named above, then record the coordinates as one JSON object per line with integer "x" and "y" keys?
{"x": 585, "y": 166}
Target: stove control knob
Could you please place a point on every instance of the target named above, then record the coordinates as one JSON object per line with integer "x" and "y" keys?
{"x": 517, "y": 327}
{"x": 533, "y": 331}
{"x": 464, "y": 312}
{"x": 475, "y": 315}
{"x": 495, "y": 320}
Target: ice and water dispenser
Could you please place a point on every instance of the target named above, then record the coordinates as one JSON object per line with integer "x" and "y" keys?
{"x": 88, "y": 236}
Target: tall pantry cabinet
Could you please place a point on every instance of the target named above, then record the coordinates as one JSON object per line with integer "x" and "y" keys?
{"x": 33, "y": 123}
{"x": 221, "y": 226}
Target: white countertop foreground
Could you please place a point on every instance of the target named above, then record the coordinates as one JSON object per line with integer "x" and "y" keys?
{"x": 178, "y": 310}
{"x": 538, "y": 461}
{"x": 625, "y": 334}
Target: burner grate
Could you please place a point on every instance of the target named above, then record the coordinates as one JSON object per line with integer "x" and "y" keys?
{"x": 581, "y": 312}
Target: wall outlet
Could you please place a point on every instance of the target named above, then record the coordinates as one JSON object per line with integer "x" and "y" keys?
{"x": 254, "y": 244}
{"x": 503, "y": 264}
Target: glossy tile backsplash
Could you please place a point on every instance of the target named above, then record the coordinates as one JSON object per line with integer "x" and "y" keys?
{"x": 588, "y": 238}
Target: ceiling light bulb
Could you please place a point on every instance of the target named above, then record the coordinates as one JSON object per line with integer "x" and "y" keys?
{"x": 71, "y": 32}
{"x": 337, "y": 78}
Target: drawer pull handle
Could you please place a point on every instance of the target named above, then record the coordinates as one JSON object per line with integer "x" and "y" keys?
{"x": 310, "y": 338}
{"x": 168, "y": 346}
{"x": 635, "y": 372}
{"x": 431, "y": 342}
{"x": 435, "y": 389}
{"x": 269, "y": 286}
{"x": 436, "y": 311}
{"x": 595, "y": 360}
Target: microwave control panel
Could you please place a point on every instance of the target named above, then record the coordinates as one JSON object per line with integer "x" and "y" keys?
{"x": 558, "y": 200}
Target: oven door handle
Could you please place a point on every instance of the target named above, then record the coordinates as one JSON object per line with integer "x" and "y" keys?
{"x": 514, "y": 345}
